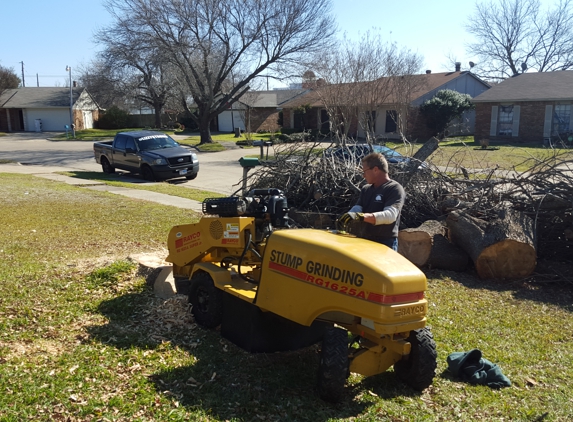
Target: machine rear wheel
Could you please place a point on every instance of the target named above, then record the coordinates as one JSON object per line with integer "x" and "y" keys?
{"x": 419, "y": 368}
{"x": 106, "y": 166}
{"x": 206, "y": 301}
{"x": 334, "y": 365}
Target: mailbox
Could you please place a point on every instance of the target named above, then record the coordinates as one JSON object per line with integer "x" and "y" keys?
{"x": 249, "y": 162}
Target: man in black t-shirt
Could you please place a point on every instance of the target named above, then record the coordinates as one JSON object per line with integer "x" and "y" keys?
{"x": 379, "y": 205}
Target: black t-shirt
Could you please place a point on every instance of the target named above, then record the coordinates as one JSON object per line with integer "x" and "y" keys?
{"x": 373, "y": 199}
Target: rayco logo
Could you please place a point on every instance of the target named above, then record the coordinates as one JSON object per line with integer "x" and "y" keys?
{"x": 186, "y": 239}
{"x": 410, "y": 310}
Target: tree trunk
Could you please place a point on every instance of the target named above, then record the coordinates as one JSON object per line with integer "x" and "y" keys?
{"x": 500, "y": 248}
{"x": 205, "y": 126}
{"x": 158, "y": 109}
{"x": 427, "y": 246}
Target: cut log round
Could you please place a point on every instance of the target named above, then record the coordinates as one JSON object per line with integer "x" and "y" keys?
{"x": 502, "y": 248}
{"x": 427, "y": 246}
{"x": 416, "y": 243}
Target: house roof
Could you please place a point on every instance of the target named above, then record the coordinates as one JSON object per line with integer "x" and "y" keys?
{"x": 536, "y": 86}
{"x": 274, "y": 98}
{"x": 40, "y": 97}
{"x": 422, "y": 84}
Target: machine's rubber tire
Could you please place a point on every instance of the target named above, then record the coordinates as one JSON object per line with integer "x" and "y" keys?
{"x": 334, "y": 365}
{"x": 106, "y": 166}
{"x": 147, "y": 174}
{"x": 191, "y": 176}
{"x": 419, "y": 368}
{"x": 206, "y": 301}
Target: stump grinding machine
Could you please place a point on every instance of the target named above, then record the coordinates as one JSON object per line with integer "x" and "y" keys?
{"x": 274, "y": 288}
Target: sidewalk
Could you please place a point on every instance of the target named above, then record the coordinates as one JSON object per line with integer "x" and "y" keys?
{"x": 49, "y": 172}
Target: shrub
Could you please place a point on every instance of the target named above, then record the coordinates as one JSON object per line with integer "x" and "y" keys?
{"x": 113, "y": 118}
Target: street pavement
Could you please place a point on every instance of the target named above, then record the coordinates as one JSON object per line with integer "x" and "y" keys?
{"x": 34, "y": 153}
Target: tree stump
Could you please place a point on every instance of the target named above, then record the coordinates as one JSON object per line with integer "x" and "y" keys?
{"x": 427, "y": 246}
{"x": 502, "y": 248}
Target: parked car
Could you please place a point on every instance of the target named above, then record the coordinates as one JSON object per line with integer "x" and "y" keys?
{"x": 354, "y": 153}
{"x": 154, "y": 155}
{"x": 359, "y": 151}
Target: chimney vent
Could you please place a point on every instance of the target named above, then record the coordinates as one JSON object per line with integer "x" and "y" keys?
{"x": 458, "y": 66}
{"x": 428, "y": 72}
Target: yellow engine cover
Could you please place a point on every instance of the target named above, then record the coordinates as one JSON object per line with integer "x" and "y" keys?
{"x": 191, "y": 243}
{"x": 307, "y": 273}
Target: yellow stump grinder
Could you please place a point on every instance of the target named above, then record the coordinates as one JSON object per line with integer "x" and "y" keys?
{"x": 274, "y": 288}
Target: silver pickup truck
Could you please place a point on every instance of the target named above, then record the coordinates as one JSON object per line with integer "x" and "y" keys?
{"x": 154, "y": 155}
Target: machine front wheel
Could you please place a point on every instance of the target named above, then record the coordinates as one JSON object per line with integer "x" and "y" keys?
{"x": 206, "y": 301}
{"x": 419, "y": 368}
{"x": 334, "y": 365}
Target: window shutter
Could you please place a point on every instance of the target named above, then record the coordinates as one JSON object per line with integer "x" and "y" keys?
{"x": 493, "y": 124}
{"x": 571, "y": 118}
{"x": 548, "y": 121}
{"x": 515, "y": 125}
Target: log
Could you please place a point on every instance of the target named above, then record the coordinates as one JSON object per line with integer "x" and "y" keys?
{"x": 427, "y": 246}
{"x": 502, "y": 248}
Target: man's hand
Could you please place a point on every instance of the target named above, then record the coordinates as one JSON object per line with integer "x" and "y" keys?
{"x": 345, "y": 219}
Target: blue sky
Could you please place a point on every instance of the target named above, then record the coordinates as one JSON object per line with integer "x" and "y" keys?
{"x": 47, "y": 35}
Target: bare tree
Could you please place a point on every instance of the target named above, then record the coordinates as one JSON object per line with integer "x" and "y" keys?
{"x": 138, "y": 63}
{"x": 8, "y": 79}
{"x": 362, "y": 79}
{"x": 209, "y": 40}
{"x": 103, "y": 83}
{"x": 515, "y": 35}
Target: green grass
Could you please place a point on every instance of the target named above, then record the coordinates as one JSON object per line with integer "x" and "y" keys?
{"x": 456, "y": 152}
{"x": 98, "y": 134}
{"x": 164, "y": 187}
{"x": 82, "y": 337}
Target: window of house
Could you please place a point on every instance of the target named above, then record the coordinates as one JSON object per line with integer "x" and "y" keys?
{"x": 299, "y": 121}
{"x": 391, "y": 119}
{"x": 561, "y": 118}
{"x": 505, "y": 120}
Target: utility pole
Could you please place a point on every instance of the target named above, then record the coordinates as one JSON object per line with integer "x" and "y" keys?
{"x": 23, "y": 81}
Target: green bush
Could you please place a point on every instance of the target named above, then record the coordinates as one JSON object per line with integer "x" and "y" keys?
{"x": 113, "y": 118}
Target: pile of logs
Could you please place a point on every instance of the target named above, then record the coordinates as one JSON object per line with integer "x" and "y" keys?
{"x": 502, "y": 222}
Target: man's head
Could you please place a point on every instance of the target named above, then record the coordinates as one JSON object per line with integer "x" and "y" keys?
{"x": 375, "y": 169}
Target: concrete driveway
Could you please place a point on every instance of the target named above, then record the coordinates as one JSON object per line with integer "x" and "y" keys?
{"x": 218, "y": 171}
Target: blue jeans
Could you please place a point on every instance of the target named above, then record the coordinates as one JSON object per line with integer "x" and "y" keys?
{"x": 391, "y": 243}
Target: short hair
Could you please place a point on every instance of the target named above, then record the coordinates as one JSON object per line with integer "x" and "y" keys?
{"x": 376, "y": 159}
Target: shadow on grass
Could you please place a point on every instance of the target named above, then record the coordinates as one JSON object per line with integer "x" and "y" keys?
{"x": 227, "y": 382}
{"x": 116, "y": 177}
{"x": 558, "y": 294}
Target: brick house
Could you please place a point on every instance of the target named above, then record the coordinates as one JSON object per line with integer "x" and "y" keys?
{"x": 392, "y": 114}
{"x": 261, "y": 107}
{"x": 530, "y": 107}
{"x": 47, "y": 109}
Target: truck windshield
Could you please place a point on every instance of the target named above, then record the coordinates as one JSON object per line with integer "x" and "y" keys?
{"x": 148, "y": 143}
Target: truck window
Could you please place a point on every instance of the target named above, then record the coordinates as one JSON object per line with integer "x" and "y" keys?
{"x": 130, "y": 145}
{"x": 119, "y": 142}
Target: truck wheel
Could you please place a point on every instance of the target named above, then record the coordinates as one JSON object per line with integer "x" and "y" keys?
{"x": 419, "y": 368}
{"x": 206, "y": 301}
{"x": 106, "y": 166}
{"x": 334, "y": 364}
{"x": 147, "y": 174}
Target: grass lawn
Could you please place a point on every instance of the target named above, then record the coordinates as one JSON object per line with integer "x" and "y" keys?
{"x": 83, "y": 338}
{"x": 166, "y": 188}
